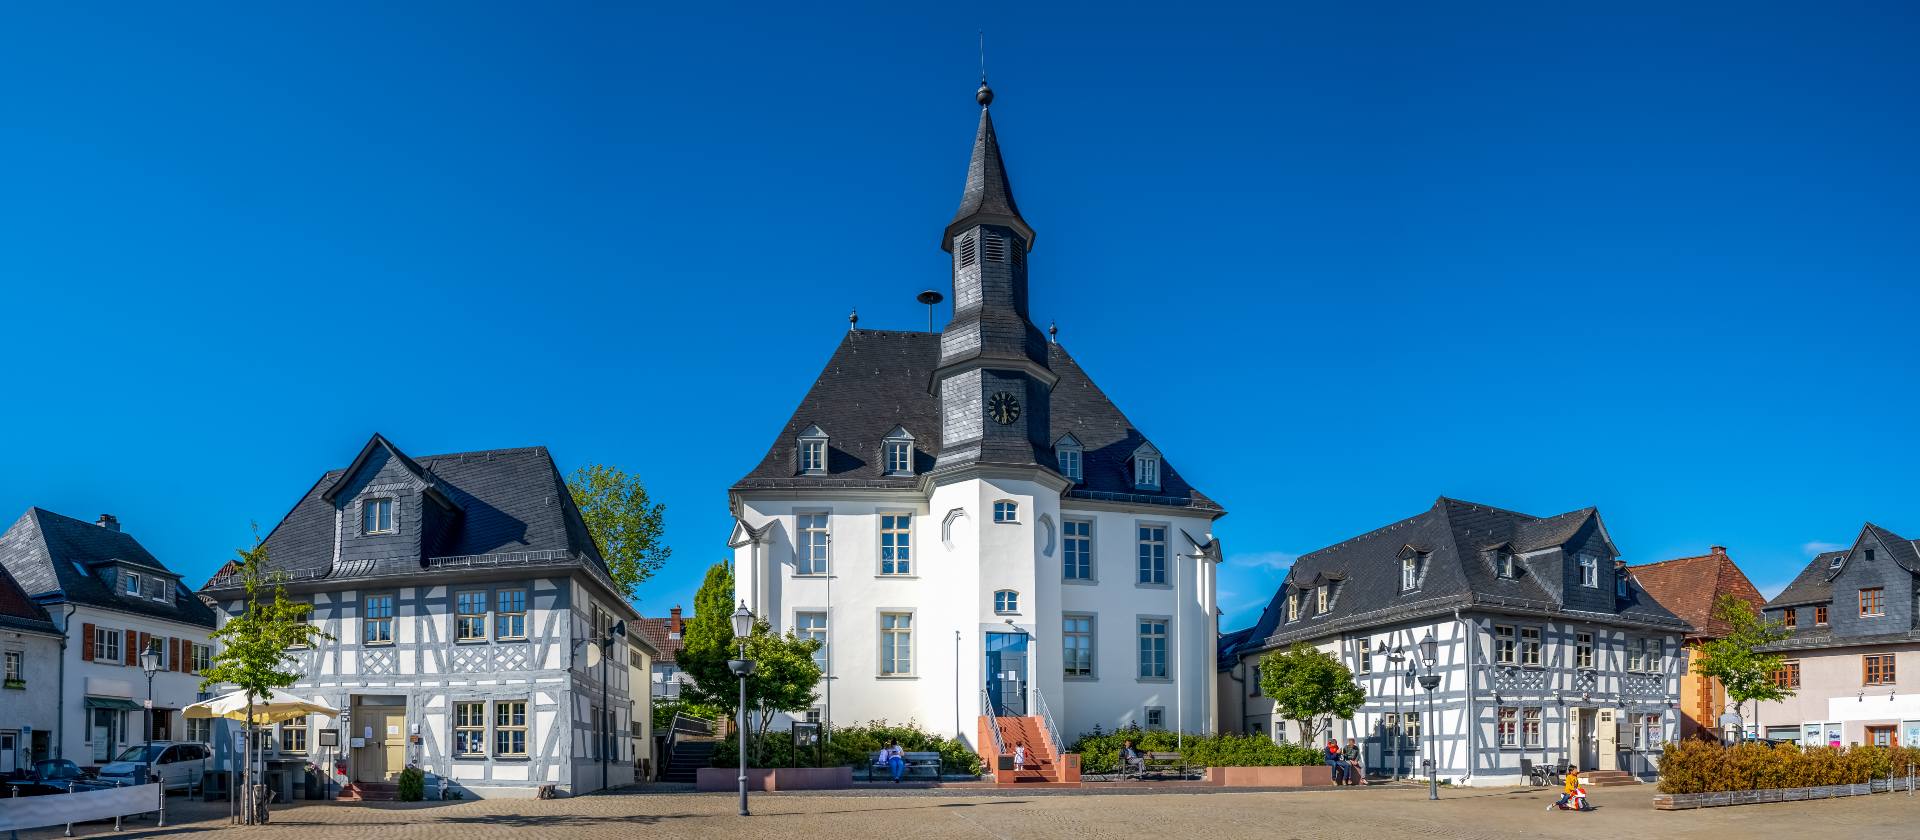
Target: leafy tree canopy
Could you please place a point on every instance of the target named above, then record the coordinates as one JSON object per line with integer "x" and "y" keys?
{"x": 1734, "y": 660}
{"x": 252, "y": 651}
{"x": 785, "y": 678}
{"x": 1307, "y": 685}
{"x": 626, "y": 524}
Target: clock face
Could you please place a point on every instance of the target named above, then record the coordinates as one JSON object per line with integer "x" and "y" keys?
{"x": 1004, "y": 408}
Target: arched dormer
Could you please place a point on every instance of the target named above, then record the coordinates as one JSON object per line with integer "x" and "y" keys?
{"x": 810, "y": 452}
{"x": 1071, "y": 457}
{"x": 1146, "y": 466}
{"x": 896, "y": 452}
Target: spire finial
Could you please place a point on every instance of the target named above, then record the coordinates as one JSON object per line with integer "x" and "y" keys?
{"x": 853, "y": 319}
{"x": 1053, "y": 332}
{"x": 984, "y": 95}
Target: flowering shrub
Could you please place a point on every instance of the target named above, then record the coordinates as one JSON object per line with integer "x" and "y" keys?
{"x": 1704, "y": 767}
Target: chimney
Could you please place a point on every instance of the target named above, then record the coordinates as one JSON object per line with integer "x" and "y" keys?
{"x": 1719, "y": 551}
{"x": 108, "y": 521}
{"x": 673, "y": 623}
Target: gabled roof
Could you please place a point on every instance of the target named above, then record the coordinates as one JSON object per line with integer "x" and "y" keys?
{"x": 1454, "y": 537}
{"x": 511, "y": 501}
{"x": 1688, "y": 587}
{"x": 877, "y": 379}
{"x": 375, "y": 444}
{"x": 655, "y": 632}
{"x": 54, "y": 559}
{"x": 1813, "y": 585}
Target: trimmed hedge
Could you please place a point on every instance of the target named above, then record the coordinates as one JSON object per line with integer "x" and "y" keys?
{"x": 853, "y": 746}
{"x": 1695, "y": 766}
{"x": 1100, "y": 751}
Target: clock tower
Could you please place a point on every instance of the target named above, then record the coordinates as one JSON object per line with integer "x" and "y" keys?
{"x": 993, "y": 379}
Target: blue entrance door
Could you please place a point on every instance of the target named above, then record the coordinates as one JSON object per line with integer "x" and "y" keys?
{"x": 1006, "y": 675}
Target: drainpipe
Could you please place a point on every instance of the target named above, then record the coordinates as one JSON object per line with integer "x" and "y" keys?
{"x": 1472, "y": 724}
{"x": 60, "y": 720}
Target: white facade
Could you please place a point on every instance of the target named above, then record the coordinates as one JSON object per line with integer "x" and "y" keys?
{"x": 960, "y": 559}
{"x": 103, "y": 696}
{"x": 29, "y": 697}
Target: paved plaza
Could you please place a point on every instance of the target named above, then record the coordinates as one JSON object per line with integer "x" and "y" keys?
{"x": 1366, "y": 814}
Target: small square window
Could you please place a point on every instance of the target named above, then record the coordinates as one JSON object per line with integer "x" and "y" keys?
{"x": 1156, "y": 717}
{"x": 1005, "y": 511}
{"x": 376, "y": 516}
{"x": 131, "y": 581}
{"x": 1006, "y": 601}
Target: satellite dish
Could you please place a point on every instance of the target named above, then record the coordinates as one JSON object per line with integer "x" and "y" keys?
{"x": 593, "y": 655}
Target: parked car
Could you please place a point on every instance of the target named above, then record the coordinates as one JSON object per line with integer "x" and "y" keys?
{"x": 49, "y": 776}
{"x": 180, "y": 765}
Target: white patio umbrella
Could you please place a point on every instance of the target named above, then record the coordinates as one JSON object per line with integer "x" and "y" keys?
{"x": 275, "y": 706}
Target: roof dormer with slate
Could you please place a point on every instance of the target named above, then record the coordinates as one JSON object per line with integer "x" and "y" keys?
{"x": 58, "y": 559}
{"x": 1868, "y": 593}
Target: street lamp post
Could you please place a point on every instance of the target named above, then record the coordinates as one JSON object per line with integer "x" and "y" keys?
{"x": 1429, "y": 650}
{"x": 150, "y": 663}
{"x": 743, "y": 667}
{"x": 1397, "y": 656}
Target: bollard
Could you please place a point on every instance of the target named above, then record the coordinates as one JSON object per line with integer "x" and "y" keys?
{"x": 69, "y": 825}
{"x": 163, "y": 797}
{"x": 15, "y": 834}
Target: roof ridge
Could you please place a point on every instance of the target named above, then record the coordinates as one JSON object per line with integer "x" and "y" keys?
{"x": 1445, "y": 498}
{"x": 1387, "y": 527}
{"x": 1672, "y": 560}
{"x": 513, "y": 450}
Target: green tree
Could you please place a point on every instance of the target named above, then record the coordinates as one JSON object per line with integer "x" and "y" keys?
{"x": 1735, "y": 660}
{"x": 1307, "y": 685}
{"x": 626, "y": 524}
{"x": 785, "y": 678}
{"x": 251, "y": 650}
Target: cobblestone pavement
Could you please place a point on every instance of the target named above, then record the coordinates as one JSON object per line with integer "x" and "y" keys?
{"x": 1369, "y": 813}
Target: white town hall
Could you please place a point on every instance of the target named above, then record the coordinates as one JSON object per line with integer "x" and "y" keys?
{"x": 973, "y": 527}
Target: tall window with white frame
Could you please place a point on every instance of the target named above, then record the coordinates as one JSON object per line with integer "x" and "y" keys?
{"x": 813, "y": 625}
{"x": 899, "y": 456}
{"x": 14, "y": 674}
{"x": 1076, "y": 642}
{"x": 1409, "y": 572}
{"x": 1583, "y": 650}
{"x": 1153, "y": 649}
{"x": 1530, "y": 646}
{"x": 510, "y": 728}
{"x": 1153, "y": 554}
{"x": 378, "y": 622}
{"x": 1530, "y": 726}
{"x": 812, "y": 452}
{"x": 810, "y": 546}
{"x": 896, "y": 644}
{"x": 469, "y": 729}
{"x": 1363, "y": 655}
{"x": 470, "y": 624}
{"x": 1589, "y": 571}
{"x": 1068, "y": 453}
{"x": 376, "y": 516}
{"x": 106, "y": 644}
{"x": 896, "y": 544}
{"x": 1503, "y": 646}
{"x": 1509, "y": 726}
{"x": 1077, "y": 549}
{"x": 510, "y": 615}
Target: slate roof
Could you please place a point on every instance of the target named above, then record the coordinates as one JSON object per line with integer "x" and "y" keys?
{"x": 1813, "y": 585}
{"x": 53, "y": 557}
{"x": 988, "y": 195}
{"x": 19, "y": 612}
{"x": 1688, "y": 586}
{"x": 1457, "y": 574}
{"x": 511, "y": 501}
{"x": 878, "y": 379}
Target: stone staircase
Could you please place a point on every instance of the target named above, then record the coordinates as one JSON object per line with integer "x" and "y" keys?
{"x": 369, "y": 792}
{"x": 1608, "y": 778}
{"x": 690, "y": 753}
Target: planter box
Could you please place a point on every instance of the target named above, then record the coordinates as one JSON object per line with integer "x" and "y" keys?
{"x": 1310, "y": 776}
{"x": 1689, "y": 801}
{"x": 774, "y": 779}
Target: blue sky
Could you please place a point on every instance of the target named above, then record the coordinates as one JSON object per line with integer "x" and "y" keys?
{"x": 1335, "y": 259}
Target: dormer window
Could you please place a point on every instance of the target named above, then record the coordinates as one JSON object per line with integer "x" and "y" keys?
{"x": 1146, "y": 467}
{"x": 812, "y": 452}
{"x": 130, "y": 583}
{"x": 1293, "y": 606}
{"x": 376, "y": 516}
{"x": 897, "y": 452}
{"x": 1320, "y": 599}
{"x": 1837, "y": 560}
{"x": 1411, "y": 559}
{"x": 1620, "y": 585}
{"x": 1589, "y": 571}
{"x": 1504, "y": 563}
{"x": 1069, "y": 452}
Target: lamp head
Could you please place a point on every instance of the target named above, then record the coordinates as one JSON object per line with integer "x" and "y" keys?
{"x": 1429, "y": 650}
{"x": 742, "y": 621}
{"x": 619, "y": 628}
{"x": 150, "y": 659}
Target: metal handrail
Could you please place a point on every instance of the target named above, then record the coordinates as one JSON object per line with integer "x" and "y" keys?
{"x": 1046, "y": 715}
{"x": 361, "y": 569}
{"x": 993, "y": 723}
{"x": 1143, "y": 499}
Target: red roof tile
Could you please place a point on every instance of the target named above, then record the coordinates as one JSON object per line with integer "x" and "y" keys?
{"x": 1688, "y": 586}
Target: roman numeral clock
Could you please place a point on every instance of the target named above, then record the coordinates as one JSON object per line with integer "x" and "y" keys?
{"x": 1004, "y": 408}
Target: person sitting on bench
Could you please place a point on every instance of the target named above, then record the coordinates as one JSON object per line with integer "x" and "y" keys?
{"x": 1131, "y": 759}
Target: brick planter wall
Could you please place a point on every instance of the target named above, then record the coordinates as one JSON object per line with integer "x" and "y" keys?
{"x": 1318, "y": 775}
{"x": 780, "y": 778}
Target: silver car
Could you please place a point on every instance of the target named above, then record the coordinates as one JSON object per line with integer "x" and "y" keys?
{"x": 180, "y": 765}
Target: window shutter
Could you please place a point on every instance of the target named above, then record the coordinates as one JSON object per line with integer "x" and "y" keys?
{"x": 130, "y": 647}
{"x": 86, "y": 642}
{"x": 173, "y": 654}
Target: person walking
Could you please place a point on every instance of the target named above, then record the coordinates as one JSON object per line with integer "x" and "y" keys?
{"x": 1019, "y": 756}
{"x": 896, "y": 760}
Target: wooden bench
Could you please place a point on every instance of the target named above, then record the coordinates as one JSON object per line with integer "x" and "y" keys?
{"x": 1157, "y": 763}
{"x": 922, "y": 763}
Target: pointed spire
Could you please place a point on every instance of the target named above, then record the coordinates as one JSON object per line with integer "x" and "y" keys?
{"x": 988, "y": 197}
